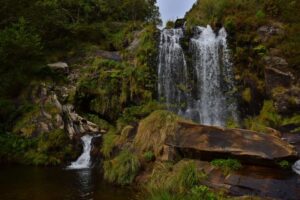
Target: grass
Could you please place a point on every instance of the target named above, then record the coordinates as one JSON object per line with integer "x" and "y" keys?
{"x": 122, "y": 169}
{"x": 153, "y": 131}
{"x": 109, "y": 142}
{"x": 227, "y": 165}
{"x": 177, "y": 178}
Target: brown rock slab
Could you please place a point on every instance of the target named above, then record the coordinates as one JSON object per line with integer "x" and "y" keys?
{"x": 209, "y": 142}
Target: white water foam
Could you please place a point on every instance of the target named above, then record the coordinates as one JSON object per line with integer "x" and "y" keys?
{"x": 84, "y": 160}
{"x": 296, "y": 167}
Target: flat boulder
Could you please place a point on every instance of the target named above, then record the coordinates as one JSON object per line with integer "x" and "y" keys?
{"x": 209, "y": 142}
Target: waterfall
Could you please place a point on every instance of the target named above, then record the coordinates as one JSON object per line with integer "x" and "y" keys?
{"x": 201, "y": 90}
{"x": 296, "y": 167}
{"x": 172, "y": 69}
{"x": 83, "y": 161}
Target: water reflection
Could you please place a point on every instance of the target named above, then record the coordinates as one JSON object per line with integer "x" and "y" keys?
{"x": 84, "y": 180}
{"x": 33, "y": 183}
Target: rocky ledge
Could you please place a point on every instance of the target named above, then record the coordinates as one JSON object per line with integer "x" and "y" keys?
{"x": 207, "y": 142}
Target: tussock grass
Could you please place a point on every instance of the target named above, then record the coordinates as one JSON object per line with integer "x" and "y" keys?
{"x": 153, "y": 131}
{"x": 122, "y": 169}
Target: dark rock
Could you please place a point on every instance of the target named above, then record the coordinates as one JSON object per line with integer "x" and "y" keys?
{"x": 169, "y": 153}
{"x": 96, "y": 154}
{"x": 208, "y": 142}
{"x": 264, "y": 182}
{"x": 110, "y": 55}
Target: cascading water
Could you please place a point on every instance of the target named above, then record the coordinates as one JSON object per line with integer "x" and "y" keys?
{"x": 172, "y": 69}
{"x": 83, "y": 162}
{"x": 200, "y": 91}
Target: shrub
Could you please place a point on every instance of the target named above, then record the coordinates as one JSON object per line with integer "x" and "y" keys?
{"x": 122, "y": 169}
{"x": 149, "y": 156}
{"x": 170, "y": 24}
{"x": 284, "y": 164}
{"x": 226, "y": 165}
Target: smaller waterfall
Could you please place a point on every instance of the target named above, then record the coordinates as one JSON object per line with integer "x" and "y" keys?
{"x": 296, "y": 167}
{"x": 83, "y": 161}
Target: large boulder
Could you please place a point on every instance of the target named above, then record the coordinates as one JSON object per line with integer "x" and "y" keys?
{"x": 207, "y": 142}
{"x": 165, "y": 133}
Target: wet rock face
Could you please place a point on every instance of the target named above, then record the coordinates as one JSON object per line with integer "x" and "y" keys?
{"x": 266, "y": 32}
{"x": 208, "y": 142}
{"x": 95, "y": 151}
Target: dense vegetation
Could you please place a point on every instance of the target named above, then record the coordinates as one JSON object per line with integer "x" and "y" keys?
{"x": 36, "y": 31}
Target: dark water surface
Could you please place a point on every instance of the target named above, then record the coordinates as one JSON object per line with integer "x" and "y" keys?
{"x": 34, "y": 183}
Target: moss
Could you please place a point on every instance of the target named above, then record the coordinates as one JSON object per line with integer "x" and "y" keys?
{"x": 226, "y": 165}
{"x": 122, "y": 169}
{"x": 246, "y": 95}
{"x": 153, "y": 131}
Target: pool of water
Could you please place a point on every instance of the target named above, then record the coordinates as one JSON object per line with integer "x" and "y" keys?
{"x": 35, "y": 183}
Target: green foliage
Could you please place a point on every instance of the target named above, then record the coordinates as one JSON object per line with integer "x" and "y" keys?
{"x": 202, "y": 192}
{"x": 232, "y": 123}
{"x": 109, "y": 142}
{"x": 122, "y": 169}
{"x": 247, "y": 96}
{"x": 227, "y": 165}
{"x": 260, "y": 14}
{"x": 20, "y": 52}
{"x": 170, "y": 24}
{"x": 149, "y": 156}
{"x": 179, "y": 182}
{"x": 12, "y": 147}
{"x": 178, "y": 178}
{"x": 268, "y": 117}
{"x": 284, "y": 164}
{"x": 260, "y": 50}
{"x": 48, "y": 149}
